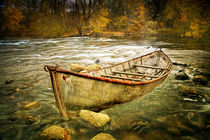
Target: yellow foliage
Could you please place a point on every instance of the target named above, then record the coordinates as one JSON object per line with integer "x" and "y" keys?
{"x": 188, "y": 34}
{"x": 98, "y": 21}
{"x": 138, "y": 20}
{"x": 196, "y": 27}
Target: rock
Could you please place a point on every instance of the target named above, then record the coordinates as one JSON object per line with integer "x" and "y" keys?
{"x": 30, "y": 119}
{"x": 97, "y": 61}
{"x": 18, "y": 115}
{"x": 77, "y": 68}
{"x": 187, "y": 90}
{"x": 93, "y": 67}
{"x": 189, "y": 72}
{"x": 32, "y": 105}
{"x": 207, "y": 97}
{"x": 181, "y": 76}
{"x": 84, "y": 71}
{"x": 17, "y": 90}
{"x": 96, "y": 119}
{"x": 54, "y": 133}
{"x": 179, "y": 64}
{"x": 103, "y": 136}
{"x": 23, "y": 117}
{"x": 9, "y": 81}
{"x": 195, "y": 119}
{"x": 71, "y": 131}
{"x": 200, "y": 79}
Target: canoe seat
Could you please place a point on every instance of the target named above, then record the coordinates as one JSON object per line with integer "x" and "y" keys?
{"x": 135, "y": 74}
{"x": 124, "y": 78}
{"x": 149, "y": 67}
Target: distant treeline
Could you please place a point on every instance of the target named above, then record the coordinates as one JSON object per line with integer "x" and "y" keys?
{"x": 55, "y": 18}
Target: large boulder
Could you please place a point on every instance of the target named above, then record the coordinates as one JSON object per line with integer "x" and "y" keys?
{"x": 96, "y": 119}
{"x": 200, "y": 79}
{"x": 77, "y": 68}
{"x": 54, "y": 133}
{"x": 93, "y": 67}
{"x": 103, "y": 136}
{"x": 32, "y": 105}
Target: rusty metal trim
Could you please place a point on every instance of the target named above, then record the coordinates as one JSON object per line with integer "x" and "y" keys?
{"x": 113, "y": 80}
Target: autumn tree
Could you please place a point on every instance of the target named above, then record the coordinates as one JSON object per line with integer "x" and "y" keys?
{"x": 187, "y": 17}
{"x": 12, "y": 18}
{"x": 137, "y": 21}
{"x": 98, "y": 21}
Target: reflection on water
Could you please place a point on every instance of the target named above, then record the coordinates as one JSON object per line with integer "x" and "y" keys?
{"x": 22, "y": 60}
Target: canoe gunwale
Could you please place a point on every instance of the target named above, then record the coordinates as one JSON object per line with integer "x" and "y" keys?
{"x": 50, "y": 68}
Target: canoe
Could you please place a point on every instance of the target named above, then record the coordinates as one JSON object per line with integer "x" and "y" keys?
{"x": 111, "y": 85}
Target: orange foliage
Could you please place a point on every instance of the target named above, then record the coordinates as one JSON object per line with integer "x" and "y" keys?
{"x": 12, "y": 18}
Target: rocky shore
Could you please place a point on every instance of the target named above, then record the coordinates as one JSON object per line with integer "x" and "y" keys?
{"x": 178, "y": 108}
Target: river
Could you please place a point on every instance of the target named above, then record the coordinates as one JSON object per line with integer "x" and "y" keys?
{"x": 163, "y": 114}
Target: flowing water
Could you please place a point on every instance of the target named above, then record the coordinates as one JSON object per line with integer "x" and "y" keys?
{"x": 162, "y": 114}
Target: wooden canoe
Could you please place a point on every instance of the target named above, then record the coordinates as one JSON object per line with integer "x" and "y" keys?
{"x": 119, "y": 83}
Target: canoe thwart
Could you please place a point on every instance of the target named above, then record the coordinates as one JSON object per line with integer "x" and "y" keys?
{"x": 124, "y": 78}
{"x": 149, "y": 67}
{"x": 135, "y": 74}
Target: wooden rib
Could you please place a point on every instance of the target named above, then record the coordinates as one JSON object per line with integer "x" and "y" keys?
{"x": 136, "y": 74}
{"x": 150, "y": 67}
{"x": 129, "y": 65}
{"x": 124, "y": 78}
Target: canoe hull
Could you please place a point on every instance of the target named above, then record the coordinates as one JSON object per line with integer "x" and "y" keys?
{"x": 119, "y": 83}
{"x": 90, "y": 93}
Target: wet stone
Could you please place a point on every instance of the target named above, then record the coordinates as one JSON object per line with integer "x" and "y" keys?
{"x": 9, "y": 81}
{"x": 77, "y": 68}
{"x": 18, "y": 115}
{"x": 103, "y": 136}
{"x": 181, "y": 76}
{"x": 96, "y": 119}
{"x": 93, "y": 67}
{"x": 32, "y": 105}
{"x": 200, "y": 79}
{"x": 54, "y": 133}
{"x": 30, "y": 119}
{"x": 186, "y": 89}
{"x": 195, "y": 120}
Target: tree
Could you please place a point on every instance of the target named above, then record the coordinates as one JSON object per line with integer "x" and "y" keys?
{"x": 12, "y": 18}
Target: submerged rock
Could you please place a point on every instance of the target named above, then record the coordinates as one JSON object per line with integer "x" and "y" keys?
{"x": 77, "y": 68}
{"x": 187, "y": 90}
{"x": 32, "y": 105}
{"x": 97, "y": 61}
{"x": 18, "y": 115}
{"x": 200, "y": 79}
{"x": 23, "y": 117}
{"x": 54, "y": 133}
{"x": 9, "y": 81}
{"x": 96, "y": 119}
{"x": 181, "y": 76}
{"x": 93, "y": 67}
{"x": 195, "y": 119}
{"x": 103, "y": 136}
